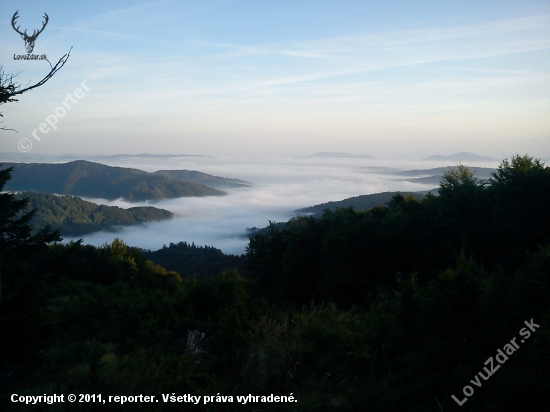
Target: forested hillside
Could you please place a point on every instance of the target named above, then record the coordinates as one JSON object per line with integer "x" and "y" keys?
{"x": 433, "y": 176}
{"x": 83, "y": 178}
{"x": 73, "y": 216}
{"x": 359, "y": 202}
{"x": 204, "y": 179}
{"x": 394, "y": 308}
{"x": 191, "y": 260}
{"x": 343, "y": 255}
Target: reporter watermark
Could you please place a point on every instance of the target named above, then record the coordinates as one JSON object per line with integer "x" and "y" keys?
{"x": 25, "y": 144}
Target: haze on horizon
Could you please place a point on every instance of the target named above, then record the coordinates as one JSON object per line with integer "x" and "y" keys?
{"x": 247, "y": 78}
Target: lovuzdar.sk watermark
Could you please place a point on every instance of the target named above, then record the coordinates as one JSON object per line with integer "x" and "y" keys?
{"x": 29, "y": 57}
{"x": 29, "y": 39}
{"x": 501, "y": 357}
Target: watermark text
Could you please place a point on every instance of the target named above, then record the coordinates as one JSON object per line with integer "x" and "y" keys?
{"x": 51, "y": 121}
{"x": 501, "y": 357}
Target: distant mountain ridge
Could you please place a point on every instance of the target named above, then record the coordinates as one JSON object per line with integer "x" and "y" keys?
{"x": 484, "y": 172}
{"x": 336, "y": 155}
{"x": 83, "y": 178}
{"x": 204, "y": 179}
{"x": 44, "y": 158}
{"x": 433, "y": 176}
{"x": 357, "y": 202}
{"x": 461, "y": 157}
{"x": 144, "y": 155}
{"x": 361, "y": 202}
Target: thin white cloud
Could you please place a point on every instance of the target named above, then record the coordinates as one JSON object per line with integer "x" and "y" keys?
{"x": 127, "y": 18}
{"x": 389, "y": 41}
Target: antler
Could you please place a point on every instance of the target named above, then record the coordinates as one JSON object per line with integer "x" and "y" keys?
{"x": 15, "y": 16}
{"x": 34, "y": 35}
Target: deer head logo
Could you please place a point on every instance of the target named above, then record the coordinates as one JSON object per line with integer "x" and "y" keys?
{"x": 29, "y": 40}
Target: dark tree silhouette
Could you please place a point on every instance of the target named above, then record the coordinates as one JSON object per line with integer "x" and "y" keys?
{"x": 9, "y": 88}
{"x": 15, "y": 234}
{"x": 16, "y": 238}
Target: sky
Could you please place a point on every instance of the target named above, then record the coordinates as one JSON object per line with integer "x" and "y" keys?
{"x": 283, "y": 78}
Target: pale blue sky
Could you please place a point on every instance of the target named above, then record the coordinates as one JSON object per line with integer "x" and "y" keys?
{"x": 245, "y": 78}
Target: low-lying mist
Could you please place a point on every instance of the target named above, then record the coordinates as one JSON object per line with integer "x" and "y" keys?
{"x": 279, "y": 186}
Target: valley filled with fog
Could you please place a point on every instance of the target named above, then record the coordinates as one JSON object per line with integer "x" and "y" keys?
{"x": 279, "y": 186}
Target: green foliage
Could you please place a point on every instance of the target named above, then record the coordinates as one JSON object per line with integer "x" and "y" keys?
{"x": 17, "y": 242}
{"x": 521, "y": 195}
{"x": 82, "y": 178}
{"x": 203, "y": 178}
{"x": 359, "y": 202}
{"x": 342, "y": 255}
{"x": 391, "y": 309}
{"x": 458, "y": 179}
{"x": 201, "y": 261}
{"x": 15, "y": 231}
{"x": 73, "y": 216}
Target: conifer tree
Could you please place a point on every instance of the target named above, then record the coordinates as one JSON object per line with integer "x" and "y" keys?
{"x": 16, "y": 238}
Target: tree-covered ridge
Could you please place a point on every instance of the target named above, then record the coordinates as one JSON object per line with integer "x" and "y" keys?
{"x": 73, "y": 216}
{"x": 83, "y": 178}
{"x": 399, "y": 328}
{"x": 479, "y": 172}
{"x": 343, "y": 255}
{"x": 434, "y": 175}
{"x": 204, "y": 179}
{"x": 427, "y": 176}
{"x": 359, "y": 202}
{"x": 190, "y": 260}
